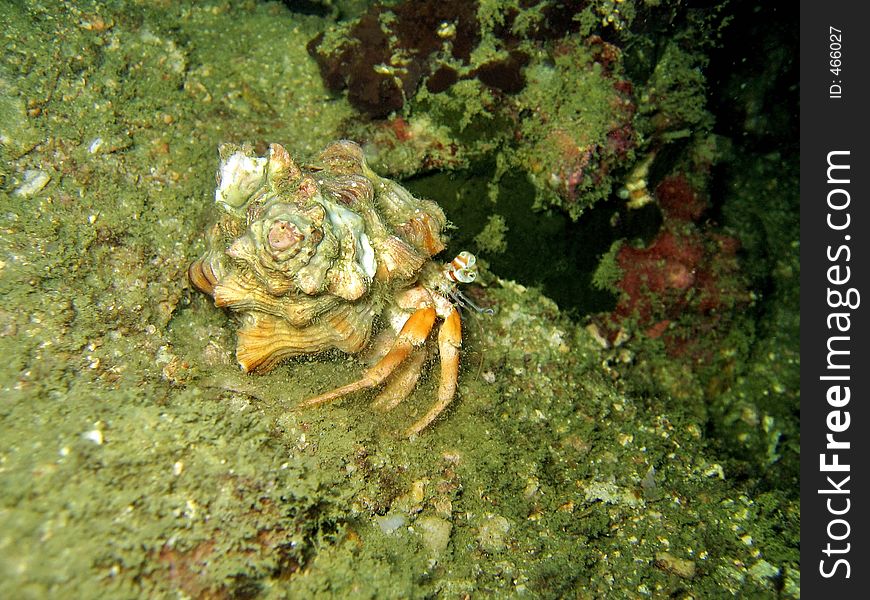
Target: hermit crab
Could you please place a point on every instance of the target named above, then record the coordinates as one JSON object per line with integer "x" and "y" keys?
{"x": 310, "y": 257}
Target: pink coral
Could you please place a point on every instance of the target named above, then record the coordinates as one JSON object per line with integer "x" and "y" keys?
{"x": 685, "y": 285}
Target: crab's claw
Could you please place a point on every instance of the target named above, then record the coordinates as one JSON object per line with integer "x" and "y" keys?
{"x": 413, "y": 334}
{"x": 404, "y": 361}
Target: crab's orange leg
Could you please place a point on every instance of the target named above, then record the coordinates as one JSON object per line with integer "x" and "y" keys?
{"x": 402, "y": 382}
{"x": 449, "y": 341}
{"x": 413, "y": 334}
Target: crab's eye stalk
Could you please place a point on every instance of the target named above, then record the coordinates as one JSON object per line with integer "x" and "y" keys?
{"x": 462, "y": 269}
{"x": 283, "y": 235}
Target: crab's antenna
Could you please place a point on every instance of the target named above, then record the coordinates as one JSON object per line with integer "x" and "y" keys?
{"x": 465, "y": 302}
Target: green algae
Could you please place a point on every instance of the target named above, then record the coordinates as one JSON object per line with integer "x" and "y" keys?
{"x": 138, "y": 460}
{"x": 608, "y": 272}
{"x": 579, "y": 109}
{"x": 491, "y": 239}
{"x": 568, "y": 130}
{"x": 673, "y": 99}
{"x": 573, "y": 129}
{"x": 756, "y": 414}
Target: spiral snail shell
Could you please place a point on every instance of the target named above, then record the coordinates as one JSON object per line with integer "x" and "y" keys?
{"x": 308, "y": 255}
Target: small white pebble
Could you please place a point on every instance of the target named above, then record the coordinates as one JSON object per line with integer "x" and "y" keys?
{"x": 95, "y": 145}
{"x": 390, "y": 523}
{"x": 94, "y": 435}
{"x": 34, "y": 181}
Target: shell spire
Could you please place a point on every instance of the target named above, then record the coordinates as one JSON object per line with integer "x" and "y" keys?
{"x": 283, "y": 171}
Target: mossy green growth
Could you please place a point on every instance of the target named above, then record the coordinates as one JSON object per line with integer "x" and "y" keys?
{"x": 608, "y": 273}
{"x": 491, "y": 238}
{"x": 569, "y": 129}
{"x": 673, "y": 100}
{"x": 576, "y": 108}
{"x": 759, "y": 413}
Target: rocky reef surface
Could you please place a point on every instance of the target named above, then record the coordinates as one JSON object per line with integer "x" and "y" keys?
{"x": 636, "y": 437}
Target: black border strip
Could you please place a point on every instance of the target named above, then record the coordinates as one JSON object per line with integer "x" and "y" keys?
{"x": 835, "y": 226}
